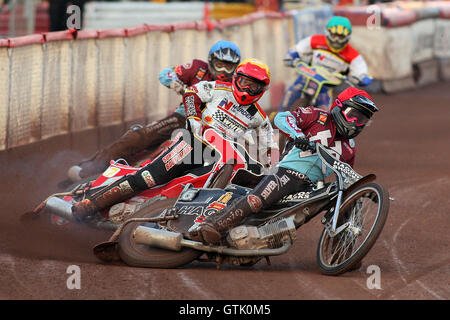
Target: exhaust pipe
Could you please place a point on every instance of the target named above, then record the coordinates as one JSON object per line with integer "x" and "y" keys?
{"x": 63, "y": 209}
{"x": 174, "y": 241}
{"x": 158, "y": 238}
{"x": 60, "y": 208}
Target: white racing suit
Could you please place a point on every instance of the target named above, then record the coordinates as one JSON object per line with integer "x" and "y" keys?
{"x": 212, "y": 104}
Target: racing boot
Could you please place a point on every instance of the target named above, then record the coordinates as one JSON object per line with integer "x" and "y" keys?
{"x": 118, "y": 191}
{"x": 213, "y": 229}
{"x": 135, "y": 140}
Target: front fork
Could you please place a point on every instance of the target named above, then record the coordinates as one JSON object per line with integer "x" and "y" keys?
{"x": 330, "y": 226}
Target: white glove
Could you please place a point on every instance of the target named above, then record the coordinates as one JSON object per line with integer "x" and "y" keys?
{"x": 195, "y": 126}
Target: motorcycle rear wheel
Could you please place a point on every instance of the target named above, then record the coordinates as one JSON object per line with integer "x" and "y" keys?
{"x": 138, "y": 255}
{"x": 366, "y": 208}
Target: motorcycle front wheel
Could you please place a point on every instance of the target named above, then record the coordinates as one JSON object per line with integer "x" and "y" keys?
{"x": 365, "y": 210}
{"x": 139, "y": 255}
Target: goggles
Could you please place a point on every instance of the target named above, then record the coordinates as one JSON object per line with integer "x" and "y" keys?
{"x": 223, "y": 66}
{"x": 353, "y": 115}
{"x": 250, "y": 85}
{"x": 339, "y": 38}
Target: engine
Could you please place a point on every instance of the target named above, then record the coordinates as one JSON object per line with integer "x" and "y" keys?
{"x": 270, "y": 235}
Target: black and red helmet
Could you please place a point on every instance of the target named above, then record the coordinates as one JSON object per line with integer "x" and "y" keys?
{"x": 351, "y": 111}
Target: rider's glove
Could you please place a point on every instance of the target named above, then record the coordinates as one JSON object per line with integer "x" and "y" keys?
{"x": 167, "y": 76}
{"x": 195, "y": 126}
{"x": 303, "y": 143}
{"x": 362, "y": 81}
{"x": 291, "y": 58}
{"x": 365, "y": 81}
{"x": 177, "y": 86}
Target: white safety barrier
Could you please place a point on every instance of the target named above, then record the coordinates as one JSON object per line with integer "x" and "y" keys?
{"x": 63, "y": 82}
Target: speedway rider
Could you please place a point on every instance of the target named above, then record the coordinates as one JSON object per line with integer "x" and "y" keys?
{"x": 223, "y": 58}
{"x": 230, "y": 108}
{"x": 299, "y": 167}
{"x": 331, "y": 51}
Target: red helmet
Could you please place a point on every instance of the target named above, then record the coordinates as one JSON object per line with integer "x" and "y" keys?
{"x": 250, "y": 81}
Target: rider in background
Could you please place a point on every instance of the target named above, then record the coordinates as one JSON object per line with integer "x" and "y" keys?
{"x": 223, "y": 58}
{"x": 230, "y": 108}
{"x": 331, "y": 51}
{"x": 299, "y": 167}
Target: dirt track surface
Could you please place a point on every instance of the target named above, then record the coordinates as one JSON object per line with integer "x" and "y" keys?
{"x": 407, "y": 146}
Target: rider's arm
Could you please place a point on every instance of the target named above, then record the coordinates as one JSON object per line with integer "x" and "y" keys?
{"x": 167, "y": 76}
{"x": 182, "y": 75}
{"x": 301, "y": 51}
{"x": 287, "y": 123}
{"x": 192, "y": 107}
{"x": 358, "y": 71}
{"x": 194, "y": 100}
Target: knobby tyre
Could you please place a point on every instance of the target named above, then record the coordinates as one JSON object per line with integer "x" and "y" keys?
{"x": 366, "y": 208}
{"x": 139, "y": 255}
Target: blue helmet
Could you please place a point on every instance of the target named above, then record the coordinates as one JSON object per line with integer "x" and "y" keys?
{"x": 223, "y": 58}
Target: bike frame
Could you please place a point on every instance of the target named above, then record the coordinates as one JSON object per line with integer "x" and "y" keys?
{"x": 316, "y": 78}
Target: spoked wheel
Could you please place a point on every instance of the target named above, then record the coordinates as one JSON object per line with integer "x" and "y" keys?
{"x": 365, "y": 210}
{"x": 139, "y": 255}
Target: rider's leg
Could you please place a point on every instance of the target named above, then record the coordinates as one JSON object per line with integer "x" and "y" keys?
{"x": 170, "y": 164}
{"x": 271, "y": 189}
{"x": 292, "y": 94}
{"x": 136, "y": 139}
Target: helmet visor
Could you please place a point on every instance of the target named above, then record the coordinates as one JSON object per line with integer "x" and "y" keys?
{"x": 223, "y": 66}
{"x": 353, "y": 115}
{"x": 252, "y": 86}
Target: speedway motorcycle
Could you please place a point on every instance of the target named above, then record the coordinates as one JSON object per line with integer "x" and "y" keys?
{"x": 354, "y": 210}
{"x": 316, "y": 78}
{"x": 230, "y": 158}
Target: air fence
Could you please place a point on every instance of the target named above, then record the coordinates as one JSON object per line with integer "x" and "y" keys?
{"x": 67, "y": 82}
